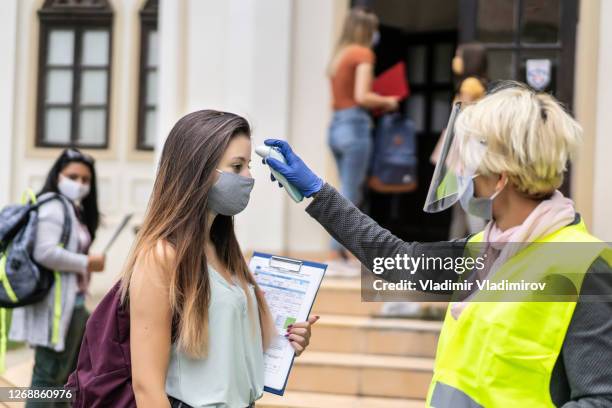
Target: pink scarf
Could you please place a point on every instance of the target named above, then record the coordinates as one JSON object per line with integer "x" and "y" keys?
{"x": 549, "y": 216}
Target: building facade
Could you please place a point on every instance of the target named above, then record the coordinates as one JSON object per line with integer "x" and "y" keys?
{"x": 113, "y": 77}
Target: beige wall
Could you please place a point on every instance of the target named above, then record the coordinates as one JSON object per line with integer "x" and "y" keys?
{"x": 585, "y": 103}
{"x": 602, "y": 183}
{"x": 591, "y": 183}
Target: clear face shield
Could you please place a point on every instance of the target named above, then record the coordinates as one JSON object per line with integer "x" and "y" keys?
{"x": 455, "y": 168}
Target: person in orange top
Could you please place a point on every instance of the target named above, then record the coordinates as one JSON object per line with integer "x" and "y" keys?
{"x": 351, "y": 73}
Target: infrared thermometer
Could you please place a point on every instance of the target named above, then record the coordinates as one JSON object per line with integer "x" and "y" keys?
{"x": 275, "y": 153}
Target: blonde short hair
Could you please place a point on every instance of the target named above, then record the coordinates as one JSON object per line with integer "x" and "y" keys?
{"x": 525, "y": 134}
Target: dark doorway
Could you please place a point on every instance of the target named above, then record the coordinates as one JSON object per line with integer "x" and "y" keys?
{"x": 424, "y": 35}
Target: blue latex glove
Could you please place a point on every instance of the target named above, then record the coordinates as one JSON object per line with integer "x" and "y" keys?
{"x": 295, "y": 171}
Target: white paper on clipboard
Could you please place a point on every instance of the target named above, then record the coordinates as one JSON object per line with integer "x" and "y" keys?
{"x": 290, "y": 287}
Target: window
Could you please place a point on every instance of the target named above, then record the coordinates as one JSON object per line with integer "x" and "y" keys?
{"x": 74, "y": 73}
{"x": 147, "y": 94}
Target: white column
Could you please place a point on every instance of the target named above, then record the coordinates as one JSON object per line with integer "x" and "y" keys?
{"x": 170, "y": 82}
{"x": 8, "y": 42}
{"x": 315, "y": 27}
{"x": 264, "y": 224}
{"x": 236, "y": 57}
{"x": 602, "y": 194}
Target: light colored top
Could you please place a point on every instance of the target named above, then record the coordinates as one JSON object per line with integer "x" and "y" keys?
{"x": 33, "y": 323}
{"x": 232, "y": 374}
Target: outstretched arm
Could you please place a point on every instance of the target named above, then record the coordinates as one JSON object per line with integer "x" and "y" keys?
{"x": 367, "y": 240}
{"x": 360, "y": 234}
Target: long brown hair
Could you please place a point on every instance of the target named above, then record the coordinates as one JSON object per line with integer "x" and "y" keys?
{"x": 359, "y": 27}
{"x": 177, "y": 215}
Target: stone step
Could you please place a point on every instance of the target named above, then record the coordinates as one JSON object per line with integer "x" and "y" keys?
{"x": 372, "y": 335}
{"x": 361, "y": 374}
{"x": 296, "y": 399}
{"x": 342, "y": 296}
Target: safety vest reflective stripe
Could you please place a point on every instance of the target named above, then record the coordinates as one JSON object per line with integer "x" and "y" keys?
{"x": 446, "y": 396}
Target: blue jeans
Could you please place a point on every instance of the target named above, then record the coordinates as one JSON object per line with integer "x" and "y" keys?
{"x": 351, "y": 143}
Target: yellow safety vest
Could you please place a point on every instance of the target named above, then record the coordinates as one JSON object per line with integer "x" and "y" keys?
{"x": 502, "y": 354}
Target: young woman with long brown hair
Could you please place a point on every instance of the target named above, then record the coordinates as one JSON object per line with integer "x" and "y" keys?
{"x": 199, "y": 323}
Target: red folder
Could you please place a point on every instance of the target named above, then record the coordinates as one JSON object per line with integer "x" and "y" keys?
{"x": 392, "y": 82}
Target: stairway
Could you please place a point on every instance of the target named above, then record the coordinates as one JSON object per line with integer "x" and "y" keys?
{"x": 358, "y": 360}
{"x": 355, "y": 359}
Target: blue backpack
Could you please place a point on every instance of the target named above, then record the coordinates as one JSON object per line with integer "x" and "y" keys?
{"x": 394, "y": 165}
{"x": 22, "y": 280}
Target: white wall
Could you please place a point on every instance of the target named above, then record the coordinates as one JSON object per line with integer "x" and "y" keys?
{"x": 315, "y": 27}
{"x": 236, "y": 57}
{"x": 602, "y": 191}
{"x": 170, "y": 83}
{"x": 8, "y": 43}
{"x": 265, "y": 60}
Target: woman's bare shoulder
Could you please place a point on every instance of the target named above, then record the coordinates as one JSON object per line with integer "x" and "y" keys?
{"x": 153, "y": 268}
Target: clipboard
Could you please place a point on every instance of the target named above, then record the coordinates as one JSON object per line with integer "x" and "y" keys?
{"x": 392, "y": 82}
{"x": 277, "y": 275}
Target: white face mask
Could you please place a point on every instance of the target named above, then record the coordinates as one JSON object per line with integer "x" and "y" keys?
{"x": 74, "y": 190}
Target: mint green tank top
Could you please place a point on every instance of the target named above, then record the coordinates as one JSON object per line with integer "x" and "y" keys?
{"x": 232, "y": 374}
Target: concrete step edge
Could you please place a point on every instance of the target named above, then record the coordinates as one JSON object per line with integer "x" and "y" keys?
{"x": 358, "y": 360}
{"x": 298, "y": 399}
{"x": 379, "y": 323}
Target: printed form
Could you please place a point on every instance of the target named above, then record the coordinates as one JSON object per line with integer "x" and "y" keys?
{"x": 290, "y": 288}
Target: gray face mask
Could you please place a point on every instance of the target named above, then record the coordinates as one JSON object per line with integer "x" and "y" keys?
{"x": 230, "y": 194}
{"x": 481, "y": 207}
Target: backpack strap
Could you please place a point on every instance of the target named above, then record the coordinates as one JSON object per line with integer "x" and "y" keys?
{"x": 28, "y": 195}
{"x": 67, "y": 220}
{"x": 57, "y": 287}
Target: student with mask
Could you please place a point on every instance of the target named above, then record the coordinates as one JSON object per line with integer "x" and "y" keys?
{"x": 351, "y": 73}
{"x": 57, "y": 339}
{"x": 199, "y": 323}
{"x": 504, "y": 163}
